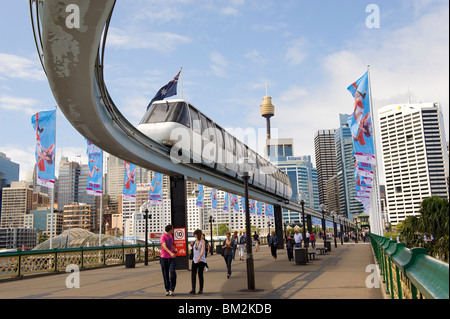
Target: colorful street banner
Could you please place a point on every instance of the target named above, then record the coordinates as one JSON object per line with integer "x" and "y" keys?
{"x": 360, "y": 123}
{"x": 259, "y": 206}
{"x": 213, "y": 195}
{"x": 252, "y": 208}
{"x": 129, "y": 182}
{"x": 226, "y": 207}
{"x": 243, "y": 204}
{"x": 235, "y": 202}
{"x": 200, "y": 196}
{"x": 95, "y": 175}
{"x": 44, "y": 124}
{"x": 155, "y": 194}
{"x": 269, "y": 210}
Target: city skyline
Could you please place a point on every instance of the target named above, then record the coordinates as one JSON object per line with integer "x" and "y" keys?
{"x": 308, "y": 54}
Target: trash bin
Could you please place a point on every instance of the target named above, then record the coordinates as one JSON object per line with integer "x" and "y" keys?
{"x": 301, "y": 256}
{"x": 219, "y": 249}
{"x": 328, "y": 246}
{"x": 130, "y": 260}
{"x": 346, "y": 239}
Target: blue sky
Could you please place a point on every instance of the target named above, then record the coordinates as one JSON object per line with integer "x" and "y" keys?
{"x": 307, "y": 51}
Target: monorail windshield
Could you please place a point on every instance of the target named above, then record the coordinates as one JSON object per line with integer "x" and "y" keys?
{"x": 167, "y": 112}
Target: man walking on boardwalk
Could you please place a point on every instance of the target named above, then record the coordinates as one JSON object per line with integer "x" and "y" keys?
{"x": 167, "y": 261}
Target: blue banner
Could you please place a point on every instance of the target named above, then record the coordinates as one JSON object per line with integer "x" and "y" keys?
{"x": 269, "y": 210}
{"x": 259, "y": 208}
{"x": 95, "y": 175}
{"x": 213, "y": 199}
{"x": 129, "y": 182}
{"x": 235, "y": 202}
{"x": 226, "y": 208}
{"x": 243, "y": 204}
{"x": 252, "y": 204}
{"x": 360, "y": 123}
{"x": 200, "y": 196}
{"x": 155, "y": 193}
{"x": 44, "y": 127}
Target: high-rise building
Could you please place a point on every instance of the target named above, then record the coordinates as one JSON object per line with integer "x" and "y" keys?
{"x": 9, "y": 171}
{"x": 72, "y": 183}
{"x": 301, "y": 173}
{"x": 324, "y": 147}
{"x": 17, "y": 202}
{"x": 345, "y": 170}
{"x": 415, "y": 157}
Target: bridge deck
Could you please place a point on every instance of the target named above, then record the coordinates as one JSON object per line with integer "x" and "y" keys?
{"x": 340, "y": 274}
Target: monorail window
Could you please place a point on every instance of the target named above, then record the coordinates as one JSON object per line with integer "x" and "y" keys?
{"x": 162, "y": 112}
{"x": 219, "y": 133}
{"x": 196, "y": 126}
{"x": 181, "y": 115}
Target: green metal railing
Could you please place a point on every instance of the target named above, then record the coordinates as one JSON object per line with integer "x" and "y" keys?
{"x": 410, "y": 273}
{"x": 24, "y": 263}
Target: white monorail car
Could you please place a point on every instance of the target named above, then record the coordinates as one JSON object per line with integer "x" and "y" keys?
{"x": 195, "y": 138}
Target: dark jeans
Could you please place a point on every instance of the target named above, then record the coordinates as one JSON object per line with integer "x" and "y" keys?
{"x": 228, "y": 259}
{"x": 197, "y": 267}
{"x": 290, "y": 253}
{"x": 274, "y": 250}
{"x": 168, "y": 272}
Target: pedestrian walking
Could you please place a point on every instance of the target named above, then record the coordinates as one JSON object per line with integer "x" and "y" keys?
{"x": 168, "y": 261}
{"x": 256, "y": 240}
{"x": 227, "y": 247}
{"x": 312, "y": 238}
{"x": 241, "y": 246}
{"x": 273, "y": 242}
{"x": 289, "y": 244}
{"x": 235, "y": 238}
{"x": 298, "y": 238}
{"x": 198, "y": 261}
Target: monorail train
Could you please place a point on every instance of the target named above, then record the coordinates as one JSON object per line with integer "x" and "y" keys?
{"x": 195, "y": 138}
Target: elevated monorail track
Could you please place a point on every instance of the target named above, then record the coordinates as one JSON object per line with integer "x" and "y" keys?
{"x": 73, "y": 60}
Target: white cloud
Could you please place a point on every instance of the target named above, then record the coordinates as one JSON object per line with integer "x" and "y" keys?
{"x": 416, "y": 56}
{"x": 14, "y": 66}
{"x": 218, "y": 64}
{"x": 296, "y": 51}
{"x": 160, "y": 41}
{"x": 20, "y": 104}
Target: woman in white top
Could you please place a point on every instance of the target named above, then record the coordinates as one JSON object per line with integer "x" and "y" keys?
{"x": 198, "y": 261}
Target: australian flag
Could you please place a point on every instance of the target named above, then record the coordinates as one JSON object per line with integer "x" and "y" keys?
{"x": 170, "y": 89}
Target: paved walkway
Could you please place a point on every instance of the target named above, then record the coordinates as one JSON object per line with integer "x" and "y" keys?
{"x": 340, "y": 274}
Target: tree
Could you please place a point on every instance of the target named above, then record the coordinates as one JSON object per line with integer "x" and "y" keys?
{"x": 432, "y": 223}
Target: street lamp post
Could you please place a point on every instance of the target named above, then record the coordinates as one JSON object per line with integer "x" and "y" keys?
{"x": 146, "y": 237}
{"x": 323, "y": 207}
{"x": 333, "y": 214}
{"x": 302, "y": 202}
{"x": 211, "y": 220}
{"x": 246, "y": 168}
{"x": 341, "y": 229}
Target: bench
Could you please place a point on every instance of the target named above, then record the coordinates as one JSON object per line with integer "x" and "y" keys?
{"x": 322, "y": 250}
{"x": 312, "y": 253}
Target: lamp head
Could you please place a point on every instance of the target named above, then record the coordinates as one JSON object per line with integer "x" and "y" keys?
{"x": 246, "y": 167}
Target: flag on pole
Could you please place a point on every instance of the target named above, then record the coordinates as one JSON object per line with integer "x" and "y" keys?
{"x": 235, "y": 202}
{"x": 129, "y": 182}
{"x": 213, "y": 199}
{"x": 44, "y": 125}
{"x": 226, "y": 208}
{"x": 155, "y": 193}
{"x": 95, "y": 175}
{"x": 360, "y": 123}
{"x": 259, "y": 208}
{"x": 200, "y": 196}
{"x": 170, "y": 89}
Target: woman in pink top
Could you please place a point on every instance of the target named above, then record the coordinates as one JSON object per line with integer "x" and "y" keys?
{"x": 167, "y": 261}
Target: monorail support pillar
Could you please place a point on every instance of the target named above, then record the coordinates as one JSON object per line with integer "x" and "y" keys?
{"x": 179, "y": 214}
{"x": 278, "y": 212}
